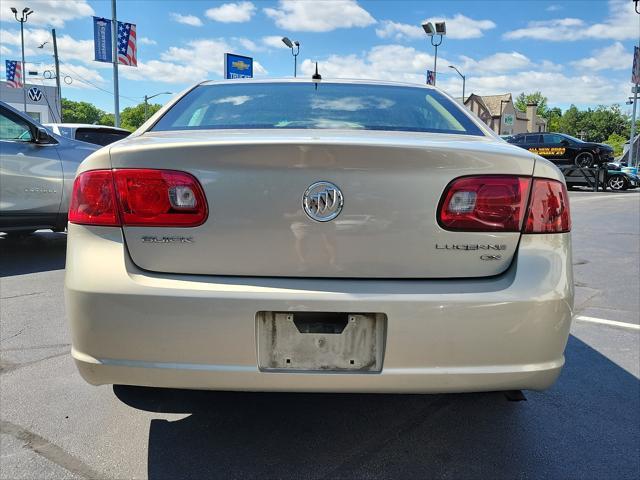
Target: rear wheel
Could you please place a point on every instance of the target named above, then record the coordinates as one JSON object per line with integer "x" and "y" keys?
{"x": 617, "y": 182}
{"x": 584, "y": 160}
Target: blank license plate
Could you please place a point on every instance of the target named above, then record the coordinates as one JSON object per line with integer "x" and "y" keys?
{"x": 317, "y": 341}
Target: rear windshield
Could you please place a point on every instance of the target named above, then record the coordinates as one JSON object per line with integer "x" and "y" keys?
{"x": 330, "y": 105}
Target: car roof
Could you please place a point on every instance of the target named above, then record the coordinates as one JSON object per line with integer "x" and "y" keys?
{"x": 352, "y": 81}
{"x": 86, "y": 125}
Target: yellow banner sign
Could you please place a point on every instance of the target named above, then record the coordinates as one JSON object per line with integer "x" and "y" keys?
{"x": 548, "y": 151}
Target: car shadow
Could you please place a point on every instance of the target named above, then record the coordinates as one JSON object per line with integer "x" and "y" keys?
{"x": 38, "y": 252}
{"x": 586, "y": 426}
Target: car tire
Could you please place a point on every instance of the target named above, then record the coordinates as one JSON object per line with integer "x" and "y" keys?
{"x": 584, "y": 160}
{"x": 617, "y": 183}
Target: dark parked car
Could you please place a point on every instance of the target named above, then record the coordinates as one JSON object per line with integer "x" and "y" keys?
{"x": 96, "y": 134}
{"x": 615, "y": 179}
{"x": 564, "y": 149}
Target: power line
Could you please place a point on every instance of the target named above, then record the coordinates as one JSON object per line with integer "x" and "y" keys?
{"x": 84, "y": 80}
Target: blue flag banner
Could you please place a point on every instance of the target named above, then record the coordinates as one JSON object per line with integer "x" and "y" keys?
{"x": 102, "y": 40}
{"x": 237, "y": 66}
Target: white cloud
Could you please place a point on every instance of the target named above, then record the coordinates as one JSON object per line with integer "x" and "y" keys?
{"x": 383, "y": 62}
{"x": 4, "y": 50}
{"x": 319, "y": 16}
{"x": 176, "y": 64}
{"x": 69, "y": 48}
{"x": 614, "y": 57}
{"x": 186, "y": 19}
{"x": 399, "y": 31}
{"x": 48, "y": 12}
{"x": 561, "y": 89}
{"x": 458, "y": 27}
{"x": 81, "y": 75}
{"x": 621, "y": 24}
{"x": 232, "y": 12}
{"x": 553, "y": 8}
{"x": 273, "y": 41}
{"x": 146, "y": 41}
{"x": 497, "y": 63}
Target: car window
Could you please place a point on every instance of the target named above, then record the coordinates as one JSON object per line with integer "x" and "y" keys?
{"x": 553, "y": 138}
{"x": 14, "y": 128}
{"x": 517, "y": 139}
{"x": 322, "y": 106}
{"x": 99, "y": 136}
{"x": 532, "y": 139}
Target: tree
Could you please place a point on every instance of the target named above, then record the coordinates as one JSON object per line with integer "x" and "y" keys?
{"x": 132, "y": 117}
{"x": 617, "y": 143}
{"x": 80, "y": 112}
{"x": 536, "y": 97}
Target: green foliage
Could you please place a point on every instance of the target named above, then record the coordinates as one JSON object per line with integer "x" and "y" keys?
{"x": 83, "y": 112}
{"x": 132, "y": 117}
{"x": 80, "y": 112}
{"x": 617, "y": 142}
{"x": 536, "y": 97}
{"x": 593, "y": 125}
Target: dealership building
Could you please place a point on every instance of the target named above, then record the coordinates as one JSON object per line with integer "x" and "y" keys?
{"x": 42, "y": 101}
{"x": 501, "y": 115}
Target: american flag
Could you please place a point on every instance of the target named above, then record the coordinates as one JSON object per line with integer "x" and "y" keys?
{"x": 127, "y": 49}
{"x": 14, "y": 73}
{"x": 431, "y": 77}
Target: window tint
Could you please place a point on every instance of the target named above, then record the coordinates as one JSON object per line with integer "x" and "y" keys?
{"x": 532, "y": 139}
{"x": 553, "y": 138}
{"x": 99, "y": 136}
{"x": 326, "y": 105}
{"x": 517, "y": 139}
{"x": 14, "y": 128}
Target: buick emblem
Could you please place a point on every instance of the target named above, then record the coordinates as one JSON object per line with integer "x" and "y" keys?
{"x": 323, "y": 201}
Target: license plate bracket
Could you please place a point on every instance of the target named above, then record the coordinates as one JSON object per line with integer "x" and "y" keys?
{"x": 322, "y": 342}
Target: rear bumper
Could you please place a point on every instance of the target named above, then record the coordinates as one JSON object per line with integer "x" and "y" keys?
{"x": 133, "y": 327}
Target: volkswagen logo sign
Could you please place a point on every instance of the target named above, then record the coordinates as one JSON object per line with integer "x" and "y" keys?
{"x": 322, "y": 201}
{"x": 35, "y": 94}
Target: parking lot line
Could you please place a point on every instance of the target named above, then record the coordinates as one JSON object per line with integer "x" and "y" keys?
{"x": 611, "y": 323}
{"x": 602, "y": 197}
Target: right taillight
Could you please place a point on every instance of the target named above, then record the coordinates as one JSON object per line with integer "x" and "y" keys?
{"x": 548, "y": 208}
{"x": 137, "y": 197}
{"x": 505, "y": 203}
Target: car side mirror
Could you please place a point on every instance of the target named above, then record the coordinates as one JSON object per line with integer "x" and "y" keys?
{"x": 42, "y": 137}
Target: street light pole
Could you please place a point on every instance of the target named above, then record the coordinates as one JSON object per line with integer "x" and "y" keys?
{"x": 26, "y": 11}
{"x": 464, "y": 80}
{"x": 114, "y": 54}
{"x": 295, "y": 50}
{"x": 146, "y": 102}
{"x": 439, "y": 31}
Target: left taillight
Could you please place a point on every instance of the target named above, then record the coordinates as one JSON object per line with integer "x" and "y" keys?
{"x": 93, "y": 201}
{"x": 138, "y": 197}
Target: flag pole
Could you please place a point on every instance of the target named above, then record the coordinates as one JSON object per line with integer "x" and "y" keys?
{"x": 114, "y": 44}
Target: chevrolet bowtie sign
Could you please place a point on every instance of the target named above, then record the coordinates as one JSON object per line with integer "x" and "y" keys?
{"x": 237, "y": 66}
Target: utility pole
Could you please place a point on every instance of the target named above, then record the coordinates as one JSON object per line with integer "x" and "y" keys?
{"x": 114, "y": 44}
{"x": 57, "y": 64}
{"x": 146, "y": 102}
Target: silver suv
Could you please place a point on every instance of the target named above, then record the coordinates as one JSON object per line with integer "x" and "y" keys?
{"x": 37, "y": 169}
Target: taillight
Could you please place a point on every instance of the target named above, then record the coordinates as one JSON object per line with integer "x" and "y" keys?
{"x": 485, "y": 204}
{"x": 138, "y": 197}
{"x": 93, "y": 201}
{"x": 548, "y": 208}
{"x": 499, "y": 204}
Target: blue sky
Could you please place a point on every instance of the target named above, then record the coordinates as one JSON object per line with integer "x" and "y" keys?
{"x": 573, "y": 51}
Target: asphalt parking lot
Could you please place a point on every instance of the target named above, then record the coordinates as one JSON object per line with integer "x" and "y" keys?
{"x": 53, "y": 425}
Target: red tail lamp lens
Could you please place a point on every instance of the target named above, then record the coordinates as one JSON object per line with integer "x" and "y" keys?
{"x": 93, "y": 201}
{"x": 485, "y": 204}
{"x": 549, "y": 208}
{"x": 138, "y": 197}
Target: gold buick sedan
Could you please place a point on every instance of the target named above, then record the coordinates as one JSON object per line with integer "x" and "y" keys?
{"x": 318, "y": 235}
